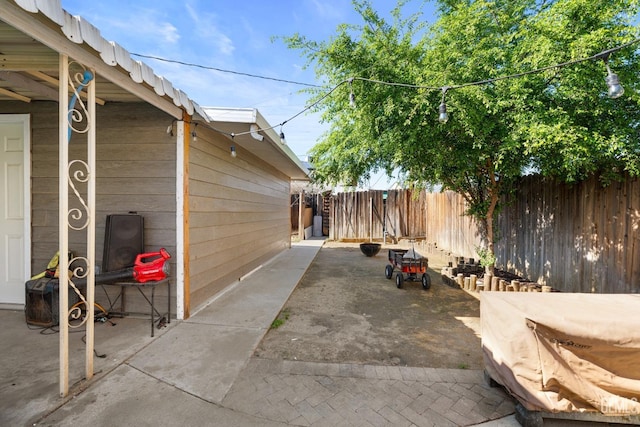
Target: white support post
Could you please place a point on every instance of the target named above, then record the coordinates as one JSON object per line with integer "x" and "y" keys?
{"x": 63, "y": 228}
{"x": 180, "y": 176}
{"x": 79, "y": 176}
{"x": 91, "y": 224}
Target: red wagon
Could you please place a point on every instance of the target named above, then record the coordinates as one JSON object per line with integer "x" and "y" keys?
{"x": 409, "y": 266}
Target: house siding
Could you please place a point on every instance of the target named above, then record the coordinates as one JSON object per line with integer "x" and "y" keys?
{"x": 135, "y": 171}
{"x": 238, "y": 207}
{"x": 238, "y": 214}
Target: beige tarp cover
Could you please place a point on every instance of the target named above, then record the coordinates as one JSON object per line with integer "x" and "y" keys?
{"x": 561, "y": 352}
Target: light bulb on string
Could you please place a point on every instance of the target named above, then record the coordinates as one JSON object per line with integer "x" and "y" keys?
{"x": 282, "y": 139}
{"x": 352, "y": 97}
{"x": 194, "y": 134}
{"x": 443, "y": 117}
{"x": 233, "y": 147}
{"x": 613, "y": 82}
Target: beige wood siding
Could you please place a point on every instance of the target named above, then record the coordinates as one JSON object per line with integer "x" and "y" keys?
{"x": 239, "y": 207}
{"x": 135, "y": 172}
{"x": 239, "y": 214}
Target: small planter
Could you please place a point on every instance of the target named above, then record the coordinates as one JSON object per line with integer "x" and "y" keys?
{"x": 370, "y": 249}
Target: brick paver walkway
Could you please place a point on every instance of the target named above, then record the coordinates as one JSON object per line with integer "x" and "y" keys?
{"x": 326, "y": 394}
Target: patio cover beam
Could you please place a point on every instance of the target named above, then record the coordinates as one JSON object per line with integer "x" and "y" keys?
{"x": 52, "y": 80}
{"x": 14, "y": 95}
{"x": 24, "y": 82}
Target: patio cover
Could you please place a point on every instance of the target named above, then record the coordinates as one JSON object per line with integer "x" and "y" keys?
{"x": 560, "y": 352}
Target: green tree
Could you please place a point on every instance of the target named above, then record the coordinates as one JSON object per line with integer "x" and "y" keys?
{"x": 558, "y": 122}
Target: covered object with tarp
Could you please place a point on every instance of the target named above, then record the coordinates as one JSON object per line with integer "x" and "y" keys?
{"x": 557, "y": 352}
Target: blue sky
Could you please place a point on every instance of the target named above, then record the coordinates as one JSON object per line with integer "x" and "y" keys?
{"x": 233, "y": 35}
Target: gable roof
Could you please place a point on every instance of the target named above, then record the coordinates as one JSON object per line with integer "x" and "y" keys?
{"x": 34, "y": 32}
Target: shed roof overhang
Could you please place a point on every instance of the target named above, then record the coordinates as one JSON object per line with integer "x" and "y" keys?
{"x": 253, "y": 133}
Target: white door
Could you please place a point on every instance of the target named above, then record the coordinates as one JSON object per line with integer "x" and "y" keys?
{"x": 15, "y": 222}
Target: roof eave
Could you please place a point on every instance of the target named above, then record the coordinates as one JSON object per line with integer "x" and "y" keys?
{"x": 257, "y": 136}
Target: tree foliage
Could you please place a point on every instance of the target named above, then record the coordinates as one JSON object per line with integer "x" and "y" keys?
{"x": 558, "y": 122}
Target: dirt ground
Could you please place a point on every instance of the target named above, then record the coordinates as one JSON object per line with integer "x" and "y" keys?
{"x": 346, "y": 311}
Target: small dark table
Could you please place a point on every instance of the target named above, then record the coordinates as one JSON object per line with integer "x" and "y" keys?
{"x": 141, "y": 287}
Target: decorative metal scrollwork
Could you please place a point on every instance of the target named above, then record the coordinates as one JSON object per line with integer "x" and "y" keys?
{"x": 78, "y": 173}
{"x": 77, "y": 312}
{"x": 77, "y": 116}
{"x": 78, "y": 170}
{"x": 78, "y": 177}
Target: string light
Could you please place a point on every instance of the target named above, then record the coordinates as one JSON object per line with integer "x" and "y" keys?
{"x": 194, "y": 134}
{"x": 352, "y": 97}
{"x": 443, "y": 117}
{"x": 615, "y": 89}
{"x": 233, "y": 147}
{"x": 305, "y": 109}
{"x": 282, "y": 139}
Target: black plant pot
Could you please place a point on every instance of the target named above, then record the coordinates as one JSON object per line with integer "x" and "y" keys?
{"x": 370, "y": 249}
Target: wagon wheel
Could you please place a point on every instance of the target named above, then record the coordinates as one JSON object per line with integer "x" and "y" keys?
{"x": 399, "y": 280}
{"x": 426, "y": 281}
{"x": 388, "y": 271}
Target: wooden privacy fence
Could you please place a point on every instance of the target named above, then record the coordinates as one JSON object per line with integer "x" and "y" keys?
{"x": 366, "y": 215}
{"x": 575, "y": 238}
{"x": 449, "y": 227}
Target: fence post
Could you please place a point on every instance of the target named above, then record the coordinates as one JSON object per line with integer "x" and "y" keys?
{"x": 301, "y": 206}
{"x": 370, "y": 219}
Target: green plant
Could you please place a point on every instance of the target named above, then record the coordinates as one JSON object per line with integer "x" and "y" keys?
{"x": 500, "y": 129}
{"x": 279, "y": 321}
{"x": 486, "y": 257}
